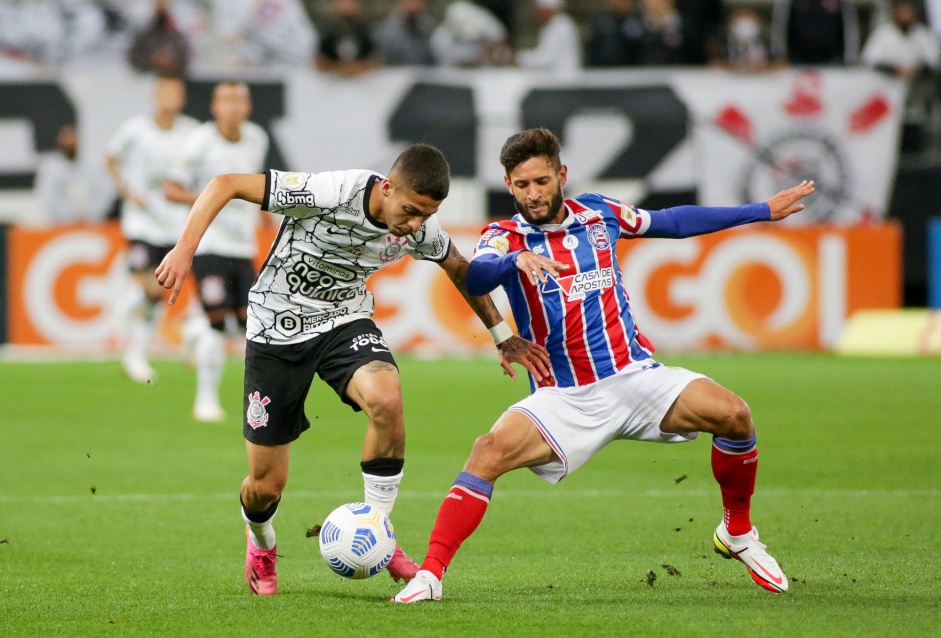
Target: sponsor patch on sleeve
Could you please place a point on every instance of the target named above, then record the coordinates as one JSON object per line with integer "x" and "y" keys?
{"x": 634, "y": 221}
{"x": 292, "y": 181}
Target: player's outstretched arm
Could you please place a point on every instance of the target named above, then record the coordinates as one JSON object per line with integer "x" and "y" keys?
{"x": 785, "y": 203}
{"x": 512, "y": 349}
{"x": 172, "y": 271}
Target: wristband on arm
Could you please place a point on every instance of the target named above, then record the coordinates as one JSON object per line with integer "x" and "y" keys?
{"x": 500, "y": 333}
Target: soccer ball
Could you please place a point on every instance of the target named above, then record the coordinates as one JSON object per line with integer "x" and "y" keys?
{"x": 357, "y": 540}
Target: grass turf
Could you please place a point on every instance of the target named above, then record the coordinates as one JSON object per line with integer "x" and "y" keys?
{"x": 848, "y": 501}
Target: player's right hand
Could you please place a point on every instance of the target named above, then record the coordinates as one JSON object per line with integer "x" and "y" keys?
{"x": 536, "y": 267}
{"x": 172, "y": 271}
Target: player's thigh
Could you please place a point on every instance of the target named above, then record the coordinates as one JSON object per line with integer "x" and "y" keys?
{"x": 513, "y": 442}
{"x": 277, "y": 380}
{"x": 706, "y": 406}
{"x": 357, "y": 364}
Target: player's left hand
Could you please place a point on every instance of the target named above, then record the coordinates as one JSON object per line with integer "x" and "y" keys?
{"x": 531, "y": 356}
{"x": 785, "y": 202}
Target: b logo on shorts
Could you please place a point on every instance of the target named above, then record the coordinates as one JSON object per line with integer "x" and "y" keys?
{"x": 257, "y": 415}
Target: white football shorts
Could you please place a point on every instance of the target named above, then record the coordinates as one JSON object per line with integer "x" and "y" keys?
{"x": 577, "y": 422}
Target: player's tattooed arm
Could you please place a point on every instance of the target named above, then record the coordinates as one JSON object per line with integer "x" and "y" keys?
{"x": 531, "y": 356}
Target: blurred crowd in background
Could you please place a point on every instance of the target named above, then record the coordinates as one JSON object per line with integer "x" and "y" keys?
{"x": 350, "y": 37}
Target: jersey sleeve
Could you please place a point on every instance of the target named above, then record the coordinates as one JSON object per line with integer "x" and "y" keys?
{"x": 680, "y": 222}
{"x": 435, "y": 241}
{"x": 494, "y": 240}
{"x": 301, "y": 195}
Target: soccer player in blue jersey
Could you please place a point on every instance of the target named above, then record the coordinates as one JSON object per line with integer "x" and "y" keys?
{"x": 556, "y": 260}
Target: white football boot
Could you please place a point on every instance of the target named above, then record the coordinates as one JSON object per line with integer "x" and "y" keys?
{"x": 749, "y": 550}
{"x": 137, "y": 369}
{"x": 425, "y": 586}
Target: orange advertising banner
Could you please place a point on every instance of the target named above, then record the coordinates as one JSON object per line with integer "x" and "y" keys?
{"x": 755, "y": 288}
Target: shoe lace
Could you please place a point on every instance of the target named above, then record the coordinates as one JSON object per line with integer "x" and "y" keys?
{"x": 264, "y": 563}
{"x": 757, "y": 546}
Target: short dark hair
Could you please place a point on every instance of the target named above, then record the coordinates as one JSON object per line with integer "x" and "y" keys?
{"x": 533, "y": 142}
{"x": 423, "y": 168}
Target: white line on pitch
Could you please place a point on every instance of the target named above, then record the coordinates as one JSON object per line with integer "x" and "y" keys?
{"x": 352, "y": 495}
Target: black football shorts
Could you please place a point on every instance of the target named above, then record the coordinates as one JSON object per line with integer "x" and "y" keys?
{"x": 144, "y": 258}
{"x": 223, "y": 282}
{"x": 278, "y": 377}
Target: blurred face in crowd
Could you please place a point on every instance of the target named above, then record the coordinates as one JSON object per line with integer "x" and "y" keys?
{"x": 231, "y": 105}
{"x": 905, "y": 15}
{"x": 411, "y": 7}
{"x": 169, "y": 96}
{"x": 744, "y": 24}
{"x": 67, "y": 141}
{"x": 536, "y": 186}
{"x": 620, "y": 7}
{"x": 346, "y": 8}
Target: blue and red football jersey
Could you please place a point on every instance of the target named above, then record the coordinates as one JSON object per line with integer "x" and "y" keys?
{"x": 583, "y": 317}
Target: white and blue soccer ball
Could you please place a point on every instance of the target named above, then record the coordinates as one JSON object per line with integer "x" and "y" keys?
{"x": 357, "y": 540}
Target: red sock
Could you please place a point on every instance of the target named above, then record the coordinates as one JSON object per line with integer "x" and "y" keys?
{"x": 735, "y": 474}
{"x": 460, "y": 514}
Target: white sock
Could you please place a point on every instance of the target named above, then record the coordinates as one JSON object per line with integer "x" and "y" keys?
{"x": 381, "y": 491}
{"x": 261, "y": 534}
{"x": 142, "y": 324}
{"x": 210, "y": 362}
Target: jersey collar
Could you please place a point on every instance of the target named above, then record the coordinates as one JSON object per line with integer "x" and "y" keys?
{"x": 366, "y": 193}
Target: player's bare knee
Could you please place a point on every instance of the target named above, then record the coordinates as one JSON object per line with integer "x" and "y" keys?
{"x": 384, "y": 409}
{"x": 489, "y": 457}
{"x": 735, "y": 419}
{"x": 267, "y": 489}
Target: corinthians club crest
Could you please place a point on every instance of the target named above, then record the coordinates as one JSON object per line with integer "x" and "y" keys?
{"x": 257, "y": 415}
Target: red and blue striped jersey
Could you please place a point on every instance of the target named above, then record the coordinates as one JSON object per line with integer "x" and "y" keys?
{"x": 583, "y": 317}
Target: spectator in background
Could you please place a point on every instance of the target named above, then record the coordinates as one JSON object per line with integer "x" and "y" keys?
{"x": 503, "y": 10}
{"x": 614, "y": 38}
{"x": 160, "y": 47}
{"x": 906, "y": 48}
{"x": 815, "y": 32}
{"x": 470, "y": 36}
{"x": 558, "y": 46}
{"x": 903, "y": 46}
{"x": 745, "y": 48}
{"x": 404, "y": 37}
{"x": 664, "y": 39}
{"x": 54, "y": 31}
{"x": 346, "y": 45}
{"x": 69, "y": 192}
{"x": 704, "y": 24}
{"x": 263, "y": 33}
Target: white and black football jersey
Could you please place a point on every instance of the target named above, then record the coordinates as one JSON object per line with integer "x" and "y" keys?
{"x": 144, "y": 153}
{"x": 206, "y": 154}
{"x": 315, "y": 276}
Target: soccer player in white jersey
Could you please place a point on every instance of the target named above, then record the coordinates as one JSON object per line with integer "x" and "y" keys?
{"x": 139, "y": 156}
{"x": 557, "y": 261}
{"x": 223, "y": 264}
{"x": 309, "y": 312}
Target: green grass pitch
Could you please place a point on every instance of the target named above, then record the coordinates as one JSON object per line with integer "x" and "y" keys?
{"x": 119, "y": 514}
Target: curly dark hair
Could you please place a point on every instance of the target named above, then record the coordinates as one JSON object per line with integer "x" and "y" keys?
{"x": 533, "y": 142}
